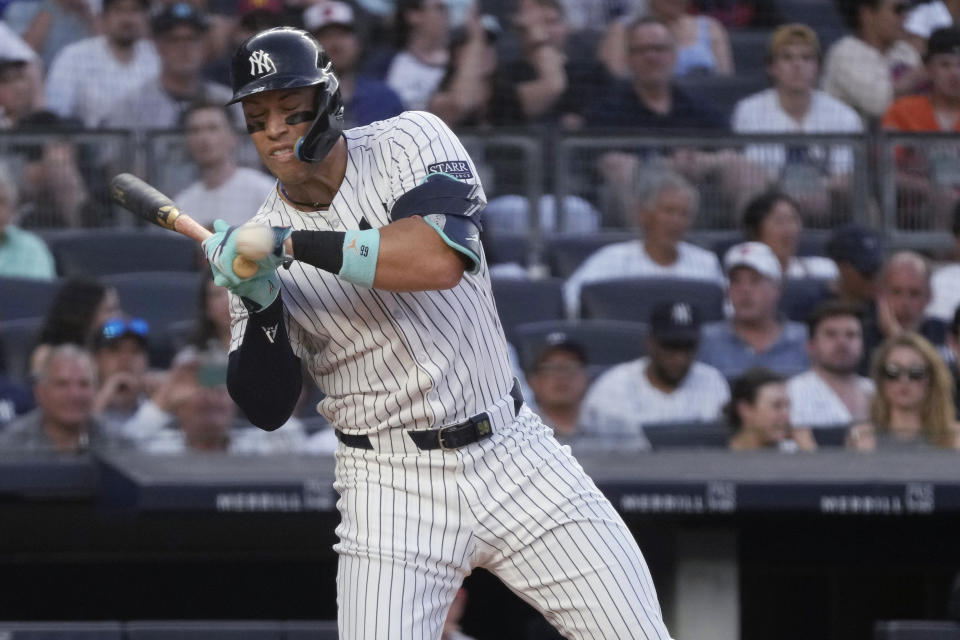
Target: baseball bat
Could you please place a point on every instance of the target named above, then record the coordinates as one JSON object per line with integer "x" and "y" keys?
{"x": 147, "y": 203}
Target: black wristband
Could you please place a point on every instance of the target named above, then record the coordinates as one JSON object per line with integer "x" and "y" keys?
{"x": 322, "y": 249}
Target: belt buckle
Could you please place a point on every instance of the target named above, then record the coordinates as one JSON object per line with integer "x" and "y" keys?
{"x": 440, "y": 441}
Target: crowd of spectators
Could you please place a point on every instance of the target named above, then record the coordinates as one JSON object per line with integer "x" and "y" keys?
{"x": 873, "y": 352}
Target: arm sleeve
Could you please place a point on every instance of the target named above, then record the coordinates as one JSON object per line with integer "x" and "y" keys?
{"x": 263, "y": 375}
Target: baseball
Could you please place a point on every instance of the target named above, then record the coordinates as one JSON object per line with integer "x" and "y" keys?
{"x": 254, "y": 241}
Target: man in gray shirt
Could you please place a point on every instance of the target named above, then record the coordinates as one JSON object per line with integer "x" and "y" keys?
{"x": 63, "y": 420}
{"x": 756, "y": 335}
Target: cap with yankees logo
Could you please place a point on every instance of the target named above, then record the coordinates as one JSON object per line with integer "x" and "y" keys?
{"x": 675, "y": 322}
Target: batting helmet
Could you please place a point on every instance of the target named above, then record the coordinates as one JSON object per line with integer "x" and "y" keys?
{"x": 287, "y": 58}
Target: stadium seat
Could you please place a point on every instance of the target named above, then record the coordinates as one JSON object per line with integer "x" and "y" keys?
{"x": 26, "y": 297}
{"x": 17, "y": 339}
{"x": 563, "y": 254}
{"x": 833, "y": 435}
{"x": 310, "y": 630}
{"x": 916, "y": 630}
{"x": 162, "y": 298}
{"x": 507, "y": 247}
{"x": 801, "y": 295}
{"x": 821, "y": 16}
{"x": 723, "y": 92}
{"x": 678, "y": 435}
{"x": 607, "y": 342}
{"x": 61, "y": 631}
{"x": 519, "y": 301}
{"x": 97, "y": 252}
{"x": 749, "y": 50}
{"x": 633, "y": 298}
{"x": 203, "y": 630}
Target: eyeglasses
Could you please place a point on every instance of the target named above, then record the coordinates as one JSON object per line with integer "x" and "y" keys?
{"x": 895, "y": 372}
{"x": 119, "y": 327}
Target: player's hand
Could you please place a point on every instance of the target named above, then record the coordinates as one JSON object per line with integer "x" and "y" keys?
{"x": 261, "y": 289}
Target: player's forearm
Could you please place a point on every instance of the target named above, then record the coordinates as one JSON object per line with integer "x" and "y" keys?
{"x": 411, "y": 256}
{"x": 263, "y": 375}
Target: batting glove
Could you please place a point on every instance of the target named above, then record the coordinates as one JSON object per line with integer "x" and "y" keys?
{"x": 262, "y": 288}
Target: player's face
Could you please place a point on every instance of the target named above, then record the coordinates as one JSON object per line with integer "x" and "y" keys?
{"x": 780, "y": 230}
{"x": 837, "y": 344}
{"x": 754, "y": 297}
{"x": 906, "y": 291}
{"x": 905, "y": 391}
{"x": 652, "y": 54}
{"x": 66, "y": 393}
{"x": 944, "y": 70}
{"x": 769, "y": 415}
{"x": 266, "y": 115}
{"x": 210, "y": 139}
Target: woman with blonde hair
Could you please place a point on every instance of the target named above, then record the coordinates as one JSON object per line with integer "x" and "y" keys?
{"x": 913, "y": 406}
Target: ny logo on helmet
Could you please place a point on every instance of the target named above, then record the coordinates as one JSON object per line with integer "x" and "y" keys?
{"x": 261, "y": 64}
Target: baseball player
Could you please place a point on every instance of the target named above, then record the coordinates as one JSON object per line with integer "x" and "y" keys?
{"x": 385, "y": 296}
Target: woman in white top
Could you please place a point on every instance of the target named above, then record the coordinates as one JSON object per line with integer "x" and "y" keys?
{"x": 773, "y": 218}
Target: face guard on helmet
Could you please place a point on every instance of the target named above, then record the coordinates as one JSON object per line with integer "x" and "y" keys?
{"x": 288, "y": 58}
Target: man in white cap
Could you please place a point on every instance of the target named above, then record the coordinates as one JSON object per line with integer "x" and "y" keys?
{"x": 755, "y": 335}
{"x": 19, "y": 78}
{"x": 367, "y": 99}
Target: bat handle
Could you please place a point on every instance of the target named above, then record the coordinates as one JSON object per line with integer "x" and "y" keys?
{"x": 243, "y": 267}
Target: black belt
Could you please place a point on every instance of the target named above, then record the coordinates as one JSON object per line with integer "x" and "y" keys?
{"x": 453, "y": 436}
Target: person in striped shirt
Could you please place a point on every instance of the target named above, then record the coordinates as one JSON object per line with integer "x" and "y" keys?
{"x": 441, "y": 467}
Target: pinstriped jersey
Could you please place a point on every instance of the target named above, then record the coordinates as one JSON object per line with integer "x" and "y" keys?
{"x": 415, "y": 360}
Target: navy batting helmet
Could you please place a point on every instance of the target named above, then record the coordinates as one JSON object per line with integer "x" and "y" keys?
{"x": 288, "y": 58}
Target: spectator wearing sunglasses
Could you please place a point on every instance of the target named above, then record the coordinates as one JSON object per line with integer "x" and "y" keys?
{"x": 120, "y": 352}
{"x": 874, "y": 65}
{"x": 913, "y": 407}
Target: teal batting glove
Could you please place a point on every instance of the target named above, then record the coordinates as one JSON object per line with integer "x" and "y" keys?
{"x": 262, "y": 288}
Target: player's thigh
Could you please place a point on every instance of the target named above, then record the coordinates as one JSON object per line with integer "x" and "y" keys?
{"x": 559, "y": 542}
{"x": 401, "y": 550}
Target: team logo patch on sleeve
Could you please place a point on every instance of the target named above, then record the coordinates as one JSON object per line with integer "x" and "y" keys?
{"x": 456, "y": 168}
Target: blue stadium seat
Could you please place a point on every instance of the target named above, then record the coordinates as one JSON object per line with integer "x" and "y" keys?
{"x": 507, "y": 247}
{"x": 61, "y": 631}
{"x": 563, "y": 254}
{"x": 17, "y": 339}
{"x": 310, "y": 630}
{"x": 833, "y": 435}
{"x": 97, "y": 252}
{"x": 632, "y": 299}
{"x": 607, "y": 342}
{"x": 204, "y": 630}
{"x": 678, "y": 435}
{"x": 519, "y": 301}
{"x": 801, "y": 296}
{"x": 723, "y": 92}
{"x": 26, "y": 297}
{"x": 916, "y": 630}
{"x": 749, "y": 50}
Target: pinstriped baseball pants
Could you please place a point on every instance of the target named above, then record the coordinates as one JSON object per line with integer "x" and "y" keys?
{"x": 415, "y": 523}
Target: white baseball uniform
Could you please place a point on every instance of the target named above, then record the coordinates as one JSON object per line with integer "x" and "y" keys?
{"x": 414, "y": 522}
